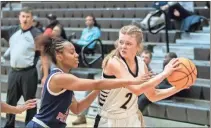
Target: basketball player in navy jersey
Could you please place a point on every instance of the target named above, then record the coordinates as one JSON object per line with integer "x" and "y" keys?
{"x": 58, "y": 97}
{"x": 119, "y": 107}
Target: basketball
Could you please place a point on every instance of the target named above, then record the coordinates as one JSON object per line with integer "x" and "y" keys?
{"x": 185, "y": 76}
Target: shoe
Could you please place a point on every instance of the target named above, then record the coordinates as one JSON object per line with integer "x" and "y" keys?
{"x": 80, "y": 120}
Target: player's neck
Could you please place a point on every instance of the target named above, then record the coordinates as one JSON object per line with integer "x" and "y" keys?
{"x": 63, "y": 68}
{"x": 130, "y": 61}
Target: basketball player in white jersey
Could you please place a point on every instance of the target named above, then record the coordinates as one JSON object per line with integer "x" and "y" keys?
{"x": 119, "y": 107}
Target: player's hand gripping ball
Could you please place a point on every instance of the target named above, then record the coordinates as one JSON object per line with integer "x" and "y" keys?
{"x": 185, "y": 76}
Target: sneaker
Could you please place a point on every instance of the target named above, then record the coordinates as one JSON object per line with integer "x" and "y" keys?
{"x": 80, "y": 120}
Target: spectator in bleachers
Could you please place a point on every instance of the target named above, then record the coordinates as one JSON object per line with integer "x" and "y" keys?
{"x": 173, "y": 10}
{"x": 179, "y": 11}
{"x": 58, "y": 31}
{"x": 143, "y": 100}
{"x": 146, "y": 55}
{"x": 37, "y": 24}
{"x": 90, "y": 33}
{"x": 54, "y": 27}
{"x": 52, "y": 22}
{"x": 22, "y": 79}
{"x": 168, "y": 57}
{"x": 51, "y": 18}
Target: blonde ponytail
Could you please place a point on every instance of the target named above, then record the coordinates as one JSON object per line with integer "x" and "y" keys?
{"x": 113, "y": 53}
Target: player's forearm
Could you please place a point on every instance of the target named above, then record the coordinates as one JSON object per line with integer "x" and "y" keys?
{"x": 85, "y": 103}
{"x": 115, "y": 83}
{"x": 152, "y": 83}
{"x": 160, "y": 94}
{"x": 8, "y": 108}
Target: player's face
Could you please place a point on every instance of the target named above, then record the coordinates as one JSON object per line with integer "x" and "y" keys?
{"x": 69, "y": 57}
{"x": 166, "y": 60}
{"x": 146, "y": 58}
{"x": 128, "y": 46}
{"x": 56, "y": 31}
{"x": 89, "y": 21}
{"x": 26, "y": 20}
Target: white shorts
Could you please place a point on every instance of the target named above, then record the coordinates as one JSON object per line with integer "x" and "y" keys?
{"x": 135, "y": 120}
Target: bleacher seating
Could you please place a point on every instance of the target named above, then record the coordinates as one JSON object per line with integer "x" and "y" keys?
{"x": 99, "y": 12}
{"x": 192, "y": 108}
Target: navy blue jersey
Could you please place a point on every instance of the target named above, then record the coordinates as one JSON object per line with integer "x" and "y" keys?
{"x": 54, "y": 106}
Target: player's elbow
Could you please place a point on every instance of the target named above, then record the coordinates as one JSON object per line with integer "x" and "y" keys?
{"x": 152, "y": 99}
{"x": 151, "y": 96}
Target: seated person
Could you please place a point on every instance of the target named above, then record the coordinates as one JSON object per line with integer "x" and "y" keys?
{"x": 175, "y": 10}
{"x": 146, "y": 55}
{"x": 37, "y": 24}
{"x": 90, "y": 33}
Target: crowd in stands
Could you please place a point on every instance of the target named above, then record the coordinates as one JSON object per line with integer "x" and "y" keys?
{"x": 180, "y": 11}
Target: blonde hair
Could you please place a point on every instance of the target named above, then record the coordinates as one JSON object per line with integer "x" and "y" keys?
{"x": 129, "y": 30}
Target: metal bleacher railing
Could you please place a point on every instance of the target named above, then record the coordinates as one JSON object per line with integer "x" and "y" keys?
{"x": 165, "y": 26}
{"x": 85, "y": 49}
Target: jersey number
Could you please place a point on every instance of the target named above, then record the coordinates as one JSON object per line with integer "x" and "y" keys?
{"x": 129, "y": 96}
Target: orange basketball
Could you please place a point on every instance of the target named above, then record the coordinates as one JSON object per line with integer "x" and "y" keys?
{"x": 185, "y": 76}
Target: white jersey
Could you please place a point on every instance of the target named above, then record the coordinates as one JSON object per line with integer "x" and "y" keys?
{"x": 121, "y": 102}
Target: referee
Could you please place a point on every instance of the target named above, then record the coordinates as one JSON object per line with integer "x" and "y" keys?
{"x": 24, "y": 53}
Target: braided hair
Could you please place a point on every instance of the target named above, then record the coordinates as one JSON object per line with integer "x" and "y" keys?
{"x": 50, "y": 46}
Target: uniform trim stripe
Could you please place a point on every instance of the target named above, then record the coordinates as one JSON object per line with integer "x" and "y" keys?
{"x": 102, "y": 99}
{"x": 103, "y": 95}
{"x": 101, "y": 104}
{"x": 104, "y": 92}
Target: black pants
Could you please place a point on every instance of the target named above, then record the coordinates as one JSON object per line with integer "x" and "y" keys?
{"x": 183, "y": 12}
{"x": 21, "y": 83}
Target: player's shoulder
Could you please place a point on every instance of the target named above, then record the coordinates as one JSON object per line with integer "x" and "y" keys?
{"x": 114, "y": 61}
{"x": 113, "y": 65}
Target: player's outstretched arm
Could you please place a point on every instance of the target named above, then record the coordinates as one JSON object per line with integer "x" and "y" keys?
{"x": 6, "y": 108}
{"x": 71, "y": 82}
{"x": 79, "y": 106}
{"x": 155, "y": 95}
{"x": 117, "y": 69}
